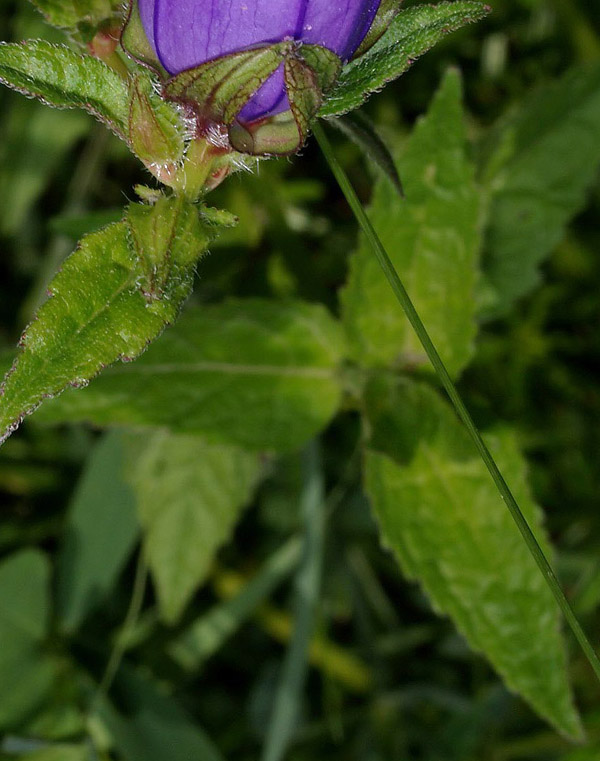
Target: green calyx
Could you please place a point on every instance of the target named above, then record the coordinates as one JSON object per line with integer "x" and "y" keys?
{"x": 218, "y": 90}
{"x": 388, "y": 10}
{"x": 309, "y": 71}
{"x": 215, "y": 92}
{"x": 135, "y": 43}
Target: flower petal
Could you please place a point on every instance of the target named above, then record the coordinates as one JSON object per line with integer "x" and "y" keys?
{"x": 271, "y": 99}
{"x": 339, "y": 25}
{"x": 146, "y": 9}
{"x": 190, "y": 32}
{"x": 187, "y": 33}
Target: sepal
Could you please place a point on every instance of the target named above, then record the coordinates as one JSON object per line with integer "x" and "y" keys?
{"x": 167, "y": 238}
{"x": 155, "y": 130}
{"x": 388, "y": 10}
{"x": 308, "y": 77}
{"x": 309, "y": 72}
{"x": 219, "y": 89}
{"x": 325, "y": 65}
{"x": 136, "y": 44}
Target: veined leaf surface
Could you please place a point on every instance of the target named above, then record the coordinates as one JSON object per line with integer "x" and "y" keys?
{"x": 412, "y": 33}
{"x": 189, "y": 497}
{"x": 441, "y": 515}
{"x": 432, "y": 238}
{"x": 113, "y": 296}
{"x": 255, "y": 373}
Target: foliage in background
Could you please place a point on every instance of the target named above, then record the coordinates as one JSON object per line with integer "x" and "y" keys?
{"x": 286, "y": 338}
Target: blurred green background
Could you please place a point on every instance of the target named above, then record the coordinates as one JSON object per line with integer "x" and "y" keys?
{"x": 399, "y": 682}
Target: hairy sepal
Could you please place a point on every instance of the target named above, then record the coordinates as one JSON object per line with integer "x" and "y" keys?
{"x": 218, "y": 90}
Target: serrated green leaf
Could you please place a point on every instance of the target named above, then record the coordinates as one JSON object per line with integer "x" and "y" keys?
{"x": 411, "y": 33}
{"x": 109, "y": 301}
{"x": 432, "y": 237}
{"x": 189, "y": 498}
{"x": 26, "y": 674}
{"x": 64, "y": 78}
{"x": 101, "y": 531}
{"x": 254, "y": 373}
{"x": 441, "y": 515}
{"x": 542, "y": 159}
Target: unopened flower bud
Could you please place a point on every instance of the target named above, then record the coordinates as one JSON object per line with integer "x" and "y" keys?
{"x": 268, "y": 61}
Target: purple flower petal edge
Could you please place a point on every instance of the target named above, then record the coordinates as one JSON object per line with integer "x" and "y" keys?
{"x": 186, "y": 33}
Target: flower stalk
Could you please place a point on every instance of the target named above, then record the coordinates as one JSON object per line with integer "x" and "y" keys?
{"x": 461, "y": 410}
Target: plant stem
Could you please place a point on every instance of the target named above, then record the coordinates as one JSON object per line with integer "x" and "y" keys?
{"x": 133, "y": 613}
{"x": 413, "y": 317}
{"x": 308, "y": 583}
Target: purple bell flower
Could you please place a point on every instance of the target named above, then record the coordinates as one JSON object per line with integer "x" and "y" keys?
{"x": 187, "y": 33}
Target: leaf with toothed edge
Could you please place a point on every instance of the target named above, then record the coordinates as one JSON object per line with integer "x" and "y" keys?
{"x": 526, "y": 182}
{"x": 63, "y": 78}
{"x": 440, "y": 514}
{"x": 60, "y": 77}
{"x": 436, "y": 229}
{"x": 113, "y": 296}
{"x": 255, "y": 373}
{"x": 411, "y": 33}
{"x": 189, "y": 498}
